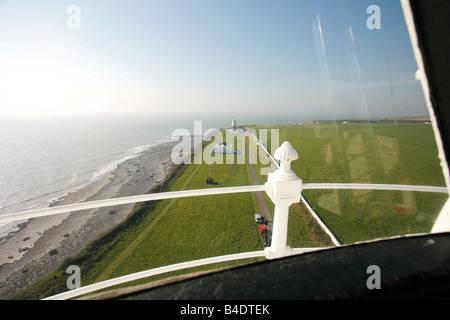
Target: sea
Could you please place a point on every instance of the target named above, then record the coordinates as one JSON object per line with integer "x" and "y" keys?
{"x": 42, "y": 159}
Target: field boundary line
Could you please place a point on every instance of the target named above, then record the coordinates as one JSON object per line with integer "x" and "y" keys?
{"x": 320, "y": 222}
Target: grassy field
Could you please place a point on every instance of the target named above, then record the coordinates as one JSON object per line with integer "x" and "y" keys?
{"x": 403, "y": 153}
{"x": 170, "y": 231}
{"x": 190, "y": 228}
{"x": 303, "y": 229}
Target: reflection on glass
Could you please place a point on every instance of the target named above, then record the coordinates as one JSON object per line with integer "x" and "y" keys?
{"x": 92, "y": 92}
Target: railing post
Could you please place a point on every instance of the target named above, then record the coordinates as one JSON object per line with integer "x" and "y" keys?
{"x": 284, "y": 188}
{"x": 442, "y": 223}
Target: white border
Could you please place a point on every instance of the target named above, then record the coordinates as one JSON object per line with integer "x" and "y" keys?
{"x": 422, "y": 77}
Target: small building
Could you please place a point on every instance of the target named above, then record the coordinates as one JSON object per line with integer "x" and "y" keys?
{"x": 223, "y": 148}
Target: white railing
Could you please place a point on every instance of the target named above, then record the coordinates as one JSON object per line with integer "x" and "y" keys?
{"x": 283, "y": 187}
{"x": 156, "y": 271}
{"x": 24, "y": 215}
{"x": 369, "y": 186}
{"x": 265, "y": 150}
{"x": 124, "y": 200}
{"x": 152, "y": 272}
{"x": 195, "y": 263}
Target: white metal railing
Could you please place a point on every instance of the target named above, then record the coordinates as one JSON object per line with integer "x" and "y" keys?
{"x": 165, "y": 269}
{"x": 265, "y": 150}
{"x": 152, "y": 272}
{"x": 283, "y": 187}
{"x": 321, "y": 223}
{"x": 124, "y": 200}
{"x": 272, "y": 187}
{"x": 195, "y": 263}
{"x": 24, "y": 215}
{"x": 369, "y": 186}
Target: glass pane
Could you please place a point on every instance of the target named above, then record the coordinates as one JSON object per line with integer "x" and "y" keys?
{"x": 106, "y": 99}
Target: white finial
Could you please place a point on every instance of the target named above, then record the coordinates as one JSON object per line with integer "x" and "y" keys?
{"x": 286, "y": 153}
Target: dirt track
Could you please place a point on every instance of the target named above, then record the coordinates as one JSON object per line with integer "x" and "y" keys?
{"x": 262, "y": 204}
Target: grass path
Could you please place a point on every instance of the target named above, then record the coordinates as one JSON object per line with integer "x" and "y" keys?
{"x": 125, "y": 253}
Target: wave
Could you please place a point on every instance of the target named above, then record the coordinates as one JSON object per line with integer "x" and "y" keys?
{"x": 92, "y": 176}
{"x": 98, "y": 173}
{"x": 110, "y": 167}
{"x": 89, "y": 176}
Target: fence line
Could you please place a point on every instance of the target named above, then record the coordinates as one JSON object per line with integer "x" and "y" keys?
{"x": 152, "y": 272}
{"x": 321, "y": 223}
{"x": 265, "y": 150}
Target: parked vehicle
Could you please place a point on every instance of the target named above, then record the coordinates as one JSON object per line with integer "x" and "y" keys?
{"x": 262, "y": 229}
{"x": 259, "y": 218}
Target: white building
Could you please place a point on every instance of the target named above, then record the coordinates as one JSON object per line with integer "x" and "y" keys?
{"x": 223, "y": 148}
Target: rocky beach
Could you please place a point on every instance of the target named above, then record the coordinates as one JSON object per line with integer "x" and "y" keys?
{"x": 40, "y": 245}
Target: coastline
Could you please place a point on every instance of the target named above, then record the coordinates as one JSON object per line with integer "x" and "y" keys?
{"x": 39, "y": 246}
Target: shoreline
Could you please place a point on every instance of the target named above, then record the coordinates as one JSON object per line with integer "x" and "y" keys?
{"x": 40, "y": 245}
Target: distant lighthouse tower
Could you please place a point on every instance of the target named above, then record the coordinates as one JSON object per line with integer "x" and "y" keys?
{"x": 233, "y": 124}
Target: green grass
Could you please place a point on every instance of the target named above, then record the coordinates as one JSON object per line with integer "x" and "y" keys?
{"x": 196, "y": 227}
{"x": 165, "y": 232}
{"x": 170, "y": 231}
{"x": 369, "y": 153}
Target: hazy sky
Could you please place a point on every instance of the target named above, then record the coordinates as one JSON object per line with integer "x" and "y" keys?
{"x": 206, "y": 56}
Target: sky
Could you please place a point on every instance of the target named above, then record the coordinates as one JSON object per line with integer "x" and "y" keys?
{"x": 310, "y": 58}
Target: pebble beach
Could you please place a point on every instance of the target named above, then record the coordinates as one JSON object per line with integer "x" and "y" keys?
{"x": 40, "y": 245}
